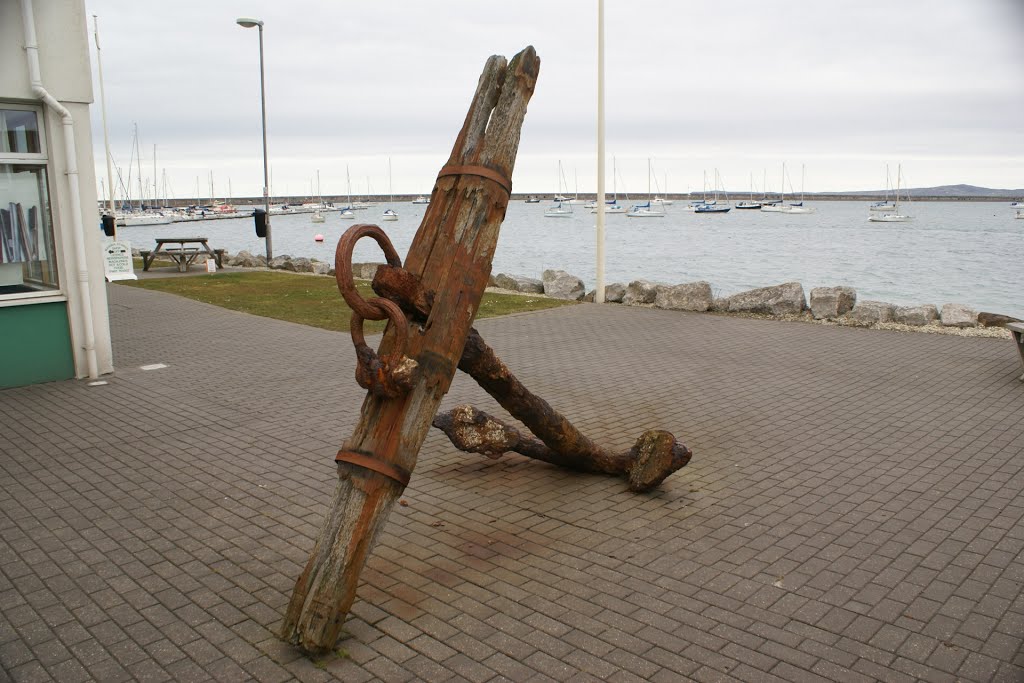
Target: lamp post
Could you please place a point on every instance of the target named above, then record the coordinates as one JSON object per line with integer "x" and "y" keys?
{"x": 247, "y": 22}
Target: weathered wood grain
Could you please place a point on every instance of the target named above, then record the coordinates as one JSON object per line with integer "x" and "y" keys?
{"x": 451, "y": 256}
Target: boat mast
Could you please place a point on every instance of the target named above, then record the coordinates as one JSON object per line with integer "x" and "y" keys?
{"x": 615, "y": 187}
{"x": 138, "y": 163}
{"x": 899, "y": 172}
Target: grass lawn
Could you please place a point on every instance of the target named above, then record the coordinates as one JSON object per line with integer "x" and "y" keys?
{"x": 306, "y": 299}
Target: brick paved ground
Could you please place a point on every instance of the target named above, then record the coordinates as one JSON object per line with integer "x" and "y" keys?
{"x": 853, "y": 510}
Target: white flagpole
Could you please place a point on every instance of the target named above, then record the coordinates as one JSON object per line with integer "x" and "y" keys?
{"x": 103, "y": 110}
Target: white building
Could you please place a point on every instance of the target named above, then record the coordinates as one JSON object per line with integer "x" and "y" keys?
{"x": 53, "y": 303}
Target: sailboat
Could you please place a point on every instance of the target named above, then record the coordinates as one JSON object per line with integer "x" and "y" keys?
{"x": 885, "y": 204}
{"x": 346, "y": 211}
{"x": 749, "y": 203}
{"x": 612, "y": 205}
{"x": 765, "y": 199}
{"x": 318, "y": 214}
{"x": 893, "y": 216}
{"x": 713, "y": 206}
{"x": 389, "y": 213}
{"x": 798, "y": 207}
{"x": 576, "y": 194}
{"x": 792, "y": 207}
{"x": 779, "y": 206}
{"x": 645, "y": 210}
{"x": 703, "y": 201}
{"x": 562, "y": 207}
{"x": 664, "y": 201}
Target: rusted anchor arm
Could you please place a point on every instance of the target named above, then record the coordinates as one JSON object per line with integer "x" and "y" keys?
{"x": 654, "y": 456}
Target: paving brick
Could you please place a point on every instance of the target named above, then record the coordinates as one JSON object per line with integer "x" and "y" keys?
{"x": 165, "y": 556}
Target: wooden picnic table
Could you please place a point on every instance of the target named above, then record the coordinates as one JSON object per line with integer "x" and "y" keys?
{"x": 186, "y": 251}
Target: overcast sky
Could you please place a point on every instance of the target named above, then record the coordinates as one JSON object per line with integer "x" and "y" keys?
{"x": 840, "y": 86}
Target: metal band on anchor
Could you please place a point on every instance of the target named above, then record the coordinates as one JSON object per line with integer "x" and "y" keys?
{"x": 479, "y": 171}
{"x": 371, "y": 463}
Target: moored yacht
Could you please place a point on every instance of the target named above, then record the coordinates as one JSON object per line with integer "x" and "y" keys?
{"x": 895, "y": 215}
{"x": 559, "y": 210}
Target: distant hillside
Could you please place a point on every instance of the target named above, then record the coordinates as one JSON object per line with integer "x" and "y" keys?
{"x": 944, "y": 191}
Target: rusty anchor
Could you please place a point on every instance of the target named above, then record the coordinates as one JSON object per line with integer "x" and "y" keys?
{"x": 430, "y": 302}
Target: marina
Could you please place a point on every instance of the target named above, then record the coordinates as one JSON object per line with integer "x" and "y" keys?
{"x": 965, "y": 252}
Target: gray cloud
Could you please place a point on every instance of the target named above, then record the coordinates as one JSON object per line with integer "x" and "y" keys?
{"x": 844, "y": 86}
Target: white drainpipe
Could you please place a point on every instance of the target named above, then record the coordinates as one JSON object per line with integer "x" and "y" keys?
{"x": 71, "y": 162}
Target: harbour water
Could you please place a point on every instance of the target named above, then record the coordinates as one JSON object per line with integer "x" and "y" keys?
{"x": 952, "y": 252}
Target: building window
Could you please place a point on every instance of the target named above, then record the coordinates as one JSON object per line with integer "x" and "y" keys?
{"x": 27, "y": 255}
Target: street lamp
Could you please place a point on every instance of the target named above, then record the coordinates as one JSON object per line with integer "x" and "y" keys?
{"x": 248, "y": 22}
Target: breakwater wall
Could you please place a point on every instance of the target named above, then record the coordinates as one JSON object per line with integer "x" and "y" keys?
{"x": 788, "y": 299}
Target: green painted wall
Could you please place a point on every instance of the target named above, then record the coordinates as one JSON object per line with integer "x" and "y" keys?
{"x": 35, "y": 344}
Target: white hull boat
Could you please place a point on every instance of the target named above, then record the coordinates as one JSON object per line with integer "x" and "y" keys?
{"x": 793, "y": 207}
{"x": 610, "y": 205}
{"x": 893, "y": 215}
{"x": 389, "y": 213}
{"x": 646, "y": 210}
{"x": 559, "y": 210}
{"x": 889, "y": 218}
{"x": 130, "y": 220}
{"x": 611, "y": 208}
{"x": 562, "y": 207}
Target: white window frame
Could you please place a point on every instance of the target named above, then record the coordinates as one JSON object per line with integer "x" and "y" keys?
{"x": 28, "y": 157}
{"x": 36, "y": 158}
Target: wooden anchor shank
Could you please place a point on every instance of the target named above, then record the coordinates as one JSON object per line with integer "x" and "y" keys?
{"x": 451, "y": 256}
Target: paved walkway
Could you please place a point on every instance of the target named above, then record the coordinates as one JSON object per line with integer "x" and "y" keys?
{"x": 853, "y": 510}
